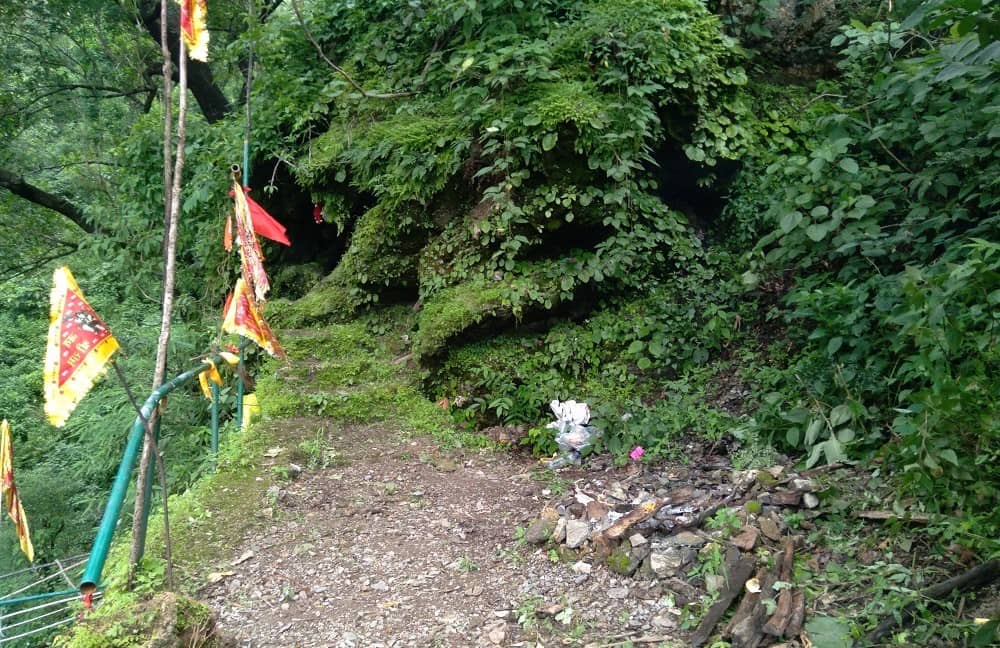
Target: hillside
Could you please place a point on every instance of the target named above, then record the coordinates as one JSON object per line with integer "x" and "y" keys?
{"x": 759, "y": 239}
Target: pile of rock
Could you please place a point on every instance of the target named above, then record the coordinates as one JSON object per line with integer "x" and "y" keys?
{"x": 696, "y": 532}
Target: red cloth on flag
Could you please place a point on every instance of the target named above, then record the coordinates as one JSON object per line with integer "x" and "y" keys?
{"x": 265, "y": 224}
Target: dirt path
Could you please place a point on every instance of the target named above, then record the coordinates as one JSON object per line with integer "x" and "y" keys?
{"x": 397, "y": 543}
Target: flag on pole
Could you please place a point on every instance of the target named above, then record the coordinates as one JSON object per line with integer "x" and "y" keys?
{"x": 251, "y": 257}
{"x": 242, "y": 318}
{"x": 194, "y": 28}
{"x": 11, "y": 501}
{"x": 265, "y": 224}
{"x": 80, "y": 345}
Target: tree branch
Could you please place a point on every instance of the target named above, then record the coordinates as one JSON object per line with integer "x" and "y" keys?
{"x": 340, "y": 70}
{"x": 60, "y": 204}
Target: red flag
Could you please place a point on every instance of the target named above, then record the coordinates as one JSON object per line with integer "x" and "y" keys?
{"x": 11, "y": 501}
{"x": 194, "y": 28}
{"x": 264, "y": 224}
{"x": 80, "y": 345}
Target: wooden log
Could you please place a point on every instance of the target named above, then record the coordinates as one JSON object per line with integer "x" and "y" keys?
{"x": 745, "y": 629}
{"x": 738, "y": 570}
{"x": 798, "y": 617}
{"x": 779, "y": 621}
{"x": 978, "y": 576}
{"x": 639, "y": 514}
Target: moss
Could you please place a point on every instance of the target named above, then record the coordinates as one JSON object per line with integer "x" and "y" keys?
{"x": 164, "y": 621}
{"x": 345, "y": 341}
{"x": 619, "y": 561}
{"x": 570, "y": 101}
{"x": 295, "y": 280}
{"x": 330, "y": 300}
{"x": 452, "y": 311}
{"x": 383, "y": 251}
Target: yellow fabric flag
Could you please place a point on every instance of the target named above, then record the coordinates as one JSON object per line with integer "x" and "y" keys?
{"x": 11, "y": 501}
{"x": 80, "y": 345}
{"x": 194, "y": 28}
{"x": 243, "y": 318}
{"x": 210, "y": 373}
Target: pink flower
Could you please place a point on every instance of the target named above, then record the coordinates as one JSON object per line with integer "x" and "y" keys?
{"x": 636, "y": 453}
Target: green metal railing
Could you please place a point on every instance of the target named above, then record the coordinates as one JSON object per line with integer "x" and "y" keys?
{"x": 105, "y": 532}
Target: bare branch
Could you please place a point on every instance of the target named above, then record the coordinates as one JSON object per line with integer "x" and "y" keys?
{"x": 340, "y": 70}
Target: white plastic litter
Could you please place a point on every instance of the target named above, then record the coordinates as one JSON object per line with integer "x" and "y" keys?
{"x": 572, "y": 432}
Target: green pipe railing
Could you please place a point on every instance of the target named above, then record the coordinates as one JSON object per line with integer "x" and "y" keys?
{"x": 105, "y": 532}
{"x": 35, "y": 597}
{"x": 214, "y": 443}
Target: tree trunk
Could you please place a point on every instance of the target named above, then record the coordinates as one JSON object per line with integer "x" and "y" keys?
{"x": 213, "y": 103}
{"x": 171, "y": 210}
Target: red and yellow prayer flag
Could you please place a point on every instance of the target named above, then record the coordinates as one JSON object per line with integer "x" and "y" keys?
{"x": 251, "y": 257}
{"x": 11, "y": 501}
{"x": 80, "y": 345}
{"x": 194, "y": 28}
{"x": 242, "y": 318}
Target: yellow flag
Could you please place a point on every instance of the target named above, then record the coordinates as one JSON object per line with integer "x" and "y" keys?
{"x": 209, "y": 373}
{"x": 11, "y": 501}
{"x": 243, "y": 318}
{"x": 80, "y": 345}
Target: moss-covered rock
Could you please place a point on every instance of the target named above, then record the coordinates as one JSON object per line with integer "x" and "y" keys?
{"x": 166, "y": 620}
{"x": 453, "y": 310}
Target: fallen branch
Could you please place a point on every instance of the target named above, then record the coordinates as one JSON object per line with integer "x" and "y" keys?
{"x": 978, "y": 576}
{"x": 738, "y": 570}
{"x": 639, "y": 514}
{"x": 920, "y": 518}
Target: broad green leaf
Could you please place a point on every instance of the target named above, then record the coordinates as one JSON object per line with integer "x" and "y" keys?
{"x": 849, "y": 165}
{"x": 818, "y": 231}
{"x": 790, "y": 221}
{"x": 792, "y": 436}
{"x": 949, "y": 455}
{"x": 534, "y": 119}
{"x": 840, "y": 414}
{"x": 814, "y": 456}
{"x": 846, "y": 435}
{"x": 812, "y": 432}
{"x": 833, "y": 451}
{"x": 797, "y": 415}
{"x": 834, "y": 345}
{"x": 549, "y": 141}
{"x": 987, "y": 634}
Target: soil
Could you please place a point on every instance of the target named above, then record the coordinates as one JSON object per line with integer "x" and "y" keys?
{"x": 398, "y": 543}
